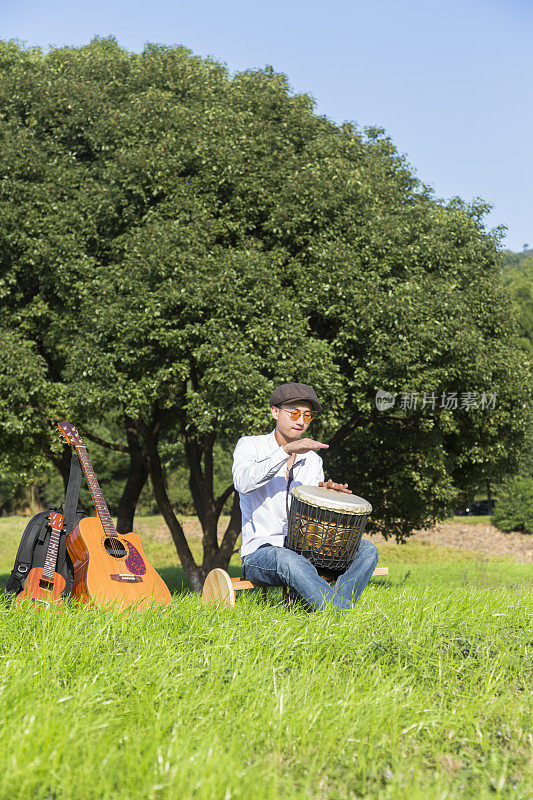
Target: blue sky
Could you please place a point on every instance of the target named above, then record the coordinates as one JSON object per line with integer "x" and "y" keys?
{"x": 451, "y": 82}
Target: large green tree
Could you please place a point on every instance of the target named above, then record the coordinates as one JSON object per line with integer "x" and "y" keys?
{"x": 176, "y": 241}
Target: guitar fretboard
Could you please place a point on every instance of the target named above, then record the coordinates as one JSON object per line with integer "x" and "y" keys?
{"x": 96, "y": 493}
{"x": 49, "y": 566}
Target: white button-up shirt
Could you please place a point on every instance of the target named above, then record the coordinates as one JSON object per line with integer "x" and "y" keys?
{"x": 259, "y": 475}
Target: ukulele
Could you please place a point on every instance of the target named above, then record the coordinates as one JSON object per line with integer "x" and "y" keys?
{"x": 44, "y": 584}
{"x": 108, "y": 567}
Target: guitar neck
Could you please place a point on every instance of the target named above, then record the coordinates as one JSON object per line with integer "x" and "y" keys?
{"x": 96, "y": 493}
{"x": 50, "y": 562}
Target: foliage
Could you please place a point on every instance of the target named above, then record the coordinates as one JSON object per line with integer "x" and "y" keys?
{"x": 514, "y": 509}
{"x": 24, "y": 386}
{"x": 518, "y": 277}
{"x": 178, "y": 241}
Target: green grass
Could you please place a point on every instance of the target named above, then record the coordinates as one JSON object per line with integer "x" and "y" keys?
{"x": 421, "y": 692}
{"x": 483, "y": 519}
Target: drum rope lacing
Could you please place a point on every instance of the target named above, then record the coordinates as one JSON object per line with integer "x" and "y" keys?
{"x": 326, "y": 526}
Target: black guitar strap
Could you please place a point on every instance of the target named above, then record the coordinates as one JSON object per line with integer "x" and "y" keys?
{"x": 289, "y": 481}
{"x": 70, "y": 506}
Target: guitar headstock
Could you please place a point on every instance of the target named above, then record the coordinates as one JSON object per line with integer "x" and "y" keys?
{"x": 56, "y": 521}
{"x": 70, "y": 434}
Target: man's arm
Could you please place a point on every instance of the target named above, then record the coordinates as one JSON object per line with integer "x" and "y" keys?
{"x": 248, "y": 471}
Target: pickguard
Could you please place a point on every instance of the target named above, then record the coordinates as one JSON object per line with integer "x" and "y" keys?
{"x": 134, "y": 561}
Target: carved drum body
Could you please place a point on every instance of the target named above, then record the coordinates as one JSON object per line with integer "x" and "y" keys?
{"x": 326, "y": 526}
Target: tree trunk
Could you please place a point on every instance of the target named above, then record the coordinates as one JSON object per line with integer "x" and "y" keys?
{"x": 209, "y": 509}
{"x": 62, "y": 463}
{"x": 231, "y": 533}
{"x": 155, "y": 470}
{"x": 137, "y": 476}
{"x": 201, "y": 486}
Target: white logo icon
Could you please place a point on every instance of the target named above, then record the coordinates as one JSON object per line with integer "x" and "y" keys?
{"x": 384, "y": 400}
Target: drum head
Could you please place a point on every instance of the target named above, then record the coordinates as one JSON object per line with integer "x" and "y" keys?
{"x": 331, "y": 499}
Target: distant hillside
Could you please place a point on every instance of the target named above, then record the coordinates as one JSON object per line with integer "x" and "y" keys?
{"x": 511, "y": 259}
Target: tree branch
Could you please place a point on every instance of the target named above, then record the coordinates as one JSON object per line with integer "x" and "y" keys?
{"x": 232, "y": 532}
{"x": 219, "y": 503}
{"x": 340, "y": 433}
{"x": 117, "y": 448}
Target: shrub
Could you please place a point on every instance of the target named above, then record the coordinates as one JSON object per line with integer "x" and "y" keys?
{"x": 514, "y": 510}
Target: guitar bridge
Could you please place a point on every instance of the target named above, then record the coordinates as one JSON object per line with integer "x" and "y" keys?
{"x": 126, "y": 578}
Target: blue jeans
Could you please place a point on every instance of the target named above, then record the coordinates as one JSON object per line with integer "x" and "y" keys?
{"x": 277, "y": 566}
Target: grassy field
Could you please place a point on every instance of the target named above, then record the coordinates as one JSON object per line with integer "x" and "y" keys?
{"x": 422, "y": 692}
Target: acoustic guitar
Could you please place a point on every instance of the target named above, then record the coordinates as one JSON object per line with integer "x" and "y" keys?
{"x": 44, "y": 584}
{"x": 108, "y": 567}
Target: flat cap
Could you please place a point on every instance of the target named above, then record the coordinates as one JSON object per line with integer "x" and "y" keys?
{"x": 293, "y": 392}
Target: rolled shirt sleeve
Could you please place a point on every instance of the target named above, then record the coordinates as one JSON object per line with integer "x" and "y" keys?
{"x": 248, "y": 471}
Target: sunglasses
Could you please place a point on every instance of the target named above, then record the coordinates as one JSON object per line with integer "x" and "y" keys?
{"x": 294, "y": 414}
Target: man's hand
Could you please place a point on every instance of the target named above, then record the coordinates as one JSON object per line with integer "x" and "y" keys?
{"x": 303, "y": 446}
{"x": 340, "y": 487}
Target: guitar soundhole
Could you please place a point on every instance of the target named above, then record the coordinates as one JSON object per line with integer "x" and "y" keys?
{"x": 47, "y": 585}
{"x": 115, "y": 547}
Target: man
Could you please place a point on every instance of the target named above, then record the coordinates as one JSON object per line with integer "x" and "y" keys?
{"x": 263, "y": 468}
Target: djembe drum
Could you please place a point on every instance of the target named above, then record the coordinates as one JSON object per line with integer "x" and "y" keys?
{"x": 326, "y": 526}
